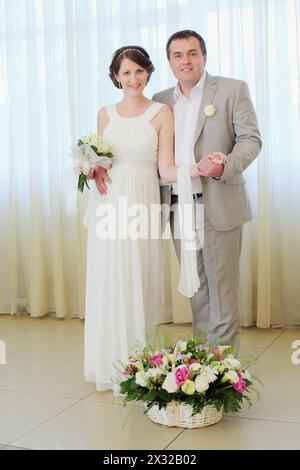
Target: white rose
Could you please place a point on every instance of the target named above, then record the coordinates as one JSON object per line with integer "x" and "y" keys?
{"x": 209, "y": 373}
{"x": 246, "y": 375}
{"x": 154, "y": 373}
{"x": 231, "y": 362}
{"x": 209, "y": 110}
{"x": 195, "y": 366}
{"x": 86, "y": 139}
{"x": 140, "y": 379}
{"x": 180, "y": 347}
{"x": 232, "y": 376}
{"x": 105, "y": 148}
{"x": 170, "y": 383}
{"x": 201, "y": 383}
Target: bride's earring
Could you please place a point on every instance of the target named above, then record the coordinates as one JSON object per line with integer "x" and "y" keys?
{"x": 120, "y": 86}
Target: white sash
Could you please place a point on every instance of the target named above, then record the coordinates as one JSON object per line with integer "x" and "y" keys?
{"x": 189, "y": 281}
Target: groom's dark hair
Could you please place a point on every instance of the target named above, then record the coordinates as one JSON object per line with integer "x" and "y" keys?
{"x": 186, "y": 33}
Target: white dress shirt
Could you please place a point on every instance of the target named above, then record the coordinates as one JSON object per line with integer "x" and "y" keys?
{"x": 186, "y": 112}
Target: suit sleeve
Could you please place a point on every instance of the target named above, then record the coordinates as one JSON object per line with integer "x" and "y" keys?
{"x": 247, "y": 136}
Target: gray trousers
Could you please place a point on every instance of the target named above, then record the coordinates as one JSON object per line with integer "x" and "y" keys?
{"x": 215, "y": 307}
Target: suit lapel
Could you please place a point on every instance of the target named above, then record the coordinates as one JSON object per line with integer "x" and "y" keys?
{"x": 210, "y": 88}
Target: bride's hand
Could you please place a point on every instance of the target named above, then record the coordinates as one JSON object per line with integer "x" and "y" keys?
{"x": 194, "y": 170}
{"x": 101, "y": 177}
{"x": 212, "y": 165}
{"x": 218, "y": 158}
{"x": 91, "y": 174}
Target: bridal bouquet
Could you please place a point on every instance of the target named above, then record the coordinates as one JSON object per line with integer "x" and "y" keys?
{"x": 89, "y": 152}
{"x": 188, "y": 373}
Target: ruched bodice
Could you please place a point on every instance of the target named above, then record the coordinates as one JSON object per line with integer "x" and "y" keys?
{"x": 132, "y": 138}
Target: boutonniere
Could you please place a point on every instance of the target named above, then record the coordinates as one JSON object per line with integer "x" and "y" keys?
{"x": 209, "y": 110}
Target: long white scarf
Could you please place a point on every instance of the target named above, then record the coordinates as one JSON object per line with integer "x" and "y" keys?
{"x": 189, "y": 281}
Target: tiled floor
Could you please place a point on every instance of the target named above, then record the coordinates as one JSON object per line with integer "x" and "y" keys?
{"x": 46, "y": 404}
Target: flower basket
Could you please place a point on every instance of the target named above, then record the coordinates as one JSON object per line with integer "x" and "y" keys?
{"x": 180, "y": 415}
{"x": 186, "y": 384}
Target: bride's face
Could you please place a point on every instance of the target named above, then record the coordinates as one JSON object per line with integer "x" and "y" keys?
{"x": 133, "y": 77}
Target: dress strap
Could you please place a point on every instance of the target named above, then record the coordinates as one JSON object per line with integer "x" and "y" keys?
{"x": 111, "y": 111}
{"x": 153, "y": 110}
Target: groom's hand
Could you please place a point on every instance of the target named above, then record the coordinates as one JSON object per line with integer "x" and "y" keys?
{"x": 212, "y": 165}
{"x": 101, "y": 177}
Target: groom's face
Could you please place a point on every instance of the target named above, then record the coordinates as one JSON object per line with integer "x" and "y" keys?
{"x": 186, "y": 60}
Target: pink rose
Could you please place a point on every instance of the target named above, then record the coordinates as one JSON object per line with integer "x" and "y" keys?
{"x": 156, "y": 360}
{"x": 218, "y": 354}
{"x": 182, "y": 374}
{"x": 240, "y": 386}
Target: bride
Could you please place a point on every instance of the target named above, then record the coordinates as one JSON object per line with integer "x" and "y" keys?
{"x": 123, "y": 284}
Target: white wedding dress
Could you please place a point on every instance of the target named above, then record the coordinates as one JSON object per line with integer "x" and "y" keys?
{"x": 123, "y": 286}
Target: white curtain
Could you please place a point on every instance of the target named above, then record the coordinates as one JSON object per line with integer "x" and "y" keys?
{"x": 54, "y": 58}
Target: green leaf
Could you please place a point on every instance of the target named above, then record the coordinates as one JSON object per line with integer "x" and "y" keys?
{"x": 151, "y": 395}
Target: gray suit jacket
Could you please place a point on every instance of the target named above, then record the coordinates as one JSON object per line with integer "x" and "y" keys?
{"x": 233, "y": 130}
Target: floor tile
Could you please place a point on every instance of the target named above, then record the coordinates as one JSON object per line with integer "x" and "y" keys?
{"x": 13, "y": 324}
{"x": 73, "y": 354}
{"x": 49, "y": 377}
{"x": 42, "y": 383}
{"x": 286, "y": 339}
{"x": 40, "y": 343}
{"x": 176, "y": 332}
{"x": 21, "y": 412}
{"x": 102, "y": 397}
{"x": 259, "y": 338}
{"x": 240, "y": 434}
{"x": 279, "y": 401}
{"x": 15, "y": 363}
{"x": 277, "y": 360}
{"x": 90, "y": 425}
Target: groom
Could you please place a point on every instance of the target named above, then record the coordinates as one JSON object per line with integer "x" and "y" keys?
{"x": 213, "y": 115}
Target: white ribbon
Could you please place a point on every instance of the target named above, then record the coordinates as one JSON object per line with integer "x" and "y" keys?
{"x": 189, "y": 281}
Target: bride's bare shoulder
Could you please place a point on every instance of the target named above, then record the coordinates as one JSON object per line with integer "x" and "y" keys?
{"x": 103, "y": 116}
{"x": 166, "y": 112}
{"x": 103, "y": 113}
{"x": 102, "y": 119}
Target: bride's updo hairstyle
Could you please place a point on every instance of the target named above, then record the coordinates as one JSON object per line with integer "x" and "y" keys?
{"x": 135, "y": 53}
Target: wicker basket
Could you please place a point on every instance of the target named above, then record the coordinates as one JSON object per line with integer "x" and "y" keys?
{"x": 180, "y": 415}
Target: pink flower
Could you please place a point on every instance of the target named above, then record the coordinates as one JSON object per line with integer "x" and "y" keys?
{"x": 193, "y": 361}
{"x": 218, "y": 354}
{"x": 130, "y": 370}
{"x": 156, "y": 360}
{"x": 182, "y": 374}
{"x": 240, "y": 386}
